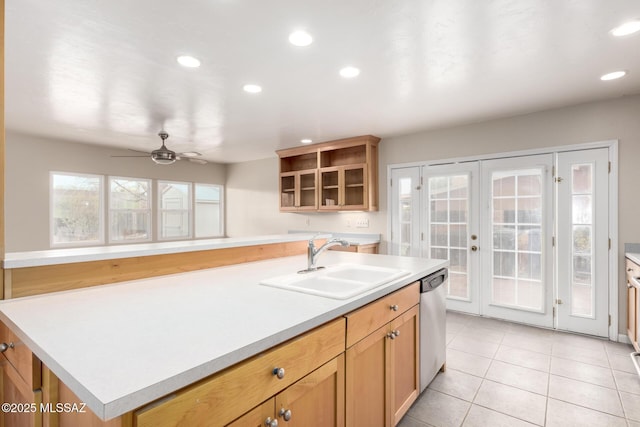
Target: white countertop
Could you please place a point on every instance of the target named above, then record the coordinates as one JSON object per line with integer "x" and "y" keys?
{"x": 121, "y": 346}
{"x": 98, "y": 253}
{"x": 633, "y": 257}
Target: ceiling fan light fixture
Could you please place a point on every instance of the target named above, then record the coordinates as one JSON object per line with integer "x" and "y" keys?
{"x": 163, "y": 157}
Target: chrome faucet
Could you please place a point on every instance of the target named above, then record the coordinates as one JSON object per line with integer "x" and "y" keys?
{"x": 313, "y": 252}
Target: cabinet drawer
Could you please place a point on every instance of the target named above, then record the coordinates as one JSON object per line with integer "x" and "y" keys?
{"x": 21, "y": 358}
{"x": 364, "y": 321}
{"x": 228, "y": 394}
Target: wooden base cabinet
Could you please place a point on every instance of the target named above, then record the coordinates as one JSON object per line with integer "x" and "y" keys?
{"x": 383, "y": 368}
{"x": 315, "y": 400}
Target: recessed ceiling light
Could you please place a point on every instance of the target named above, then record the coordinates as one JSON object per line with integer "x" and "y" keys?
{"x": 306, "y": 141}
{"x": 300, "y": 38}
{"x": 626, "y": 28}
{"x": 188, "y": 61}
{"x": 251, "y": 88}
{"x": 349, "y": 72}
{"x": 614, "y": 75}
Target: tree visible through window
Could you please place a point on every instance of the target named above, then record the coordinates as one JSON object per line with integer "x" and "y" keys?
{"x": 76, "y": 209}
{"x": 129, "y": 209}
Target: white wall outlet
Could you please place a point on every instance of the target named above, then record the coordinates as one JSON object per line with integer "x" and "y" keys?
{"x": 348, "y": 223}
{"x": 362, "y": 223}
{"x": 308, "y": 221}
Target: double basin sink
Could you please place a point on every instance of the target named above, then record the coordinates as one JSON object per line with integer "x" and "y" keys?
{"x": 341, "y": 281}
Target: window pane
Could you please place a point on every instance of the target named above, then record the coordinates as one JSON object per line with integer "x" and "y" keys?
{"x": 448, "y": 228}
{"x": 76, "y": 209}
{"x": 130, "y": 225}
{"x": 129, "y": 193}
{"x": 582, "y": 210}
{"x": 175, "y": 209}
{"x": 439, "y": 212}
{"x": 581, "y": 178}
{"x": 129, "y": 209}
{"x": 582, "y": 302}
{"x": 175, "y": 224}
{"x": 208, "y": 219}
{"x": 517, "y": 238}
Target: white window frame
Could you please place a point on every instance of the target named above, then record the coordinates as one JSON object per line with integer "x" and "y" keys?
{"x": 101, "y": 240}
{"x": 220, "y": 209}
{"x": 160, "y": 211}
{"x": 110, "y": 210}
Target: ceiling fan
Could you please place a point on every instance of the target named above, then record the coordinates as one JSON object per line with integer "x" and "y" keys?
{"x": 164, "y": 156}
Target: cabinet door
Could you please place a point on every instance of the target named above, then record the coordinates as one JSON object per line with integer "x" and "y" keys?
{"x": 366, "y": 381}
{"x": 16, "y": 392}
{"x": 315, "y": 400}
{"x": 298, "y": 191}
{"x": 261, "y": 416}
{"x": 404, "y": 363}
{"x": 354, "y": 187}
{"x": 344, "y": 188}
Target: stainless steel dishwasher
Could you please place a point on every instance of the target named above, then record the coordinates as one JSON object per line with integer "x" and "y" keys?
{"x": 432, "y": 326}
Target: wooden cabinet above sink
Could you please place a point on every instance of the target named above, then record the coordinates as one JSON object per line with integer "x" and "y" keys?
{"x": 339, "y": 175}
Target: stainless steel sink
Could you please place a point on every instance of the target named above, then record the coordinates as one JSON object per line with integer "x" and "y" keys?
{"x": 340, "y": 281}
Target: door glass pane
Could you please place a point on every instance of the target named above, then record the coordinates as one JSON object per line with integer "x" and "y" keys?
{"x": 582, "y": 301}
{"x": 448, "y": 228}
{"x": 517, "y": 249}
{"x": 405, "y": 215}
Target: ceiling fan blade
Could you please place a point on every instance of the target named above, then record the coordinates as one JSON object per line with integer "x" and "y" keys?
{"x": 198, "y": 161}
{"x": 147, "y": 156}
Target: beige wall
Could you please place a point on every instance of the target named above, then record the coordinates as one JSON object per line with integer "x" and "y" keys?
{"x": 252, "y": 206}
{"x": 599, "y": 121}
{"x": 29, "y": 160}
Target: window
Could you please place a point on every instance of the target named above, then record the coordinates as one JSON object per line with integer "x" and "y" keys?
{"x": 76, "y": 209}
{"x": 208, "y": 210}
{"x": 174, "y": 210}
{"x": 129, "y": 210}
{"x": 80, "y": 208}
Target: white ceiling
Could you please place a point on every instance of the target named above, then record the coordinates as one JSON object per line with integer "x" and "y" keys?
{"x": 105, "y": 71}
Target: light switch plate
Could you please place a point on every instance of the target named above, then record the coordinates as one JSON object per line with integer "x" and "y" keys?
{"x": 362, "y": 223}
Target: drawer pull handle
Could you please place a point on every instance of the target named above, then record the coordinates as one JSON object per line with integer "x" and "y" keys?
{"x": 270, "y": 422}
{"x": 278, "y": 372}
{"x": 394, "y": 307}
{"x": 4, "y": 346}
{"x": 285, "y": 414}
{"x": 393, "y": 334}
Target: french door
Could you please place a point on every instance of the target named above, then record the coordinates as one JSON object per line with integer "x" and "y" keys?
{"x": 451, "y": 195}
{"x": 523, "y": 245}
{"x": 405, "y": 188}
{"x": 517, "y": 257}
{"x": 583, "y": 241}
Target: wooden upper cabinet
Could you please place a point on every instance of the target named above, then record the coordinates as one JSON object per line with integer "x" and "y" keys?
{"x": 330, "y": 176}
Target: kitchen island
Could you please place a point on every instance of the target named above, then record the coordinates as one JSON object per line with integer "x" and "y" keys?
{"x": 121, "y": 346}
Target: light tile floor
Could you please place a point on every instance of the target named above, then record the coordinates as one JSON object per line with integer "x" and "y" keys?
{"x": 505, "y": 374}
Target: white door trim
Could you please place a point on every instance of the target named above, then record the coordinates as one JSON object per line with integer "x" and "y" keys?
{"x": 612, "y": 145}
